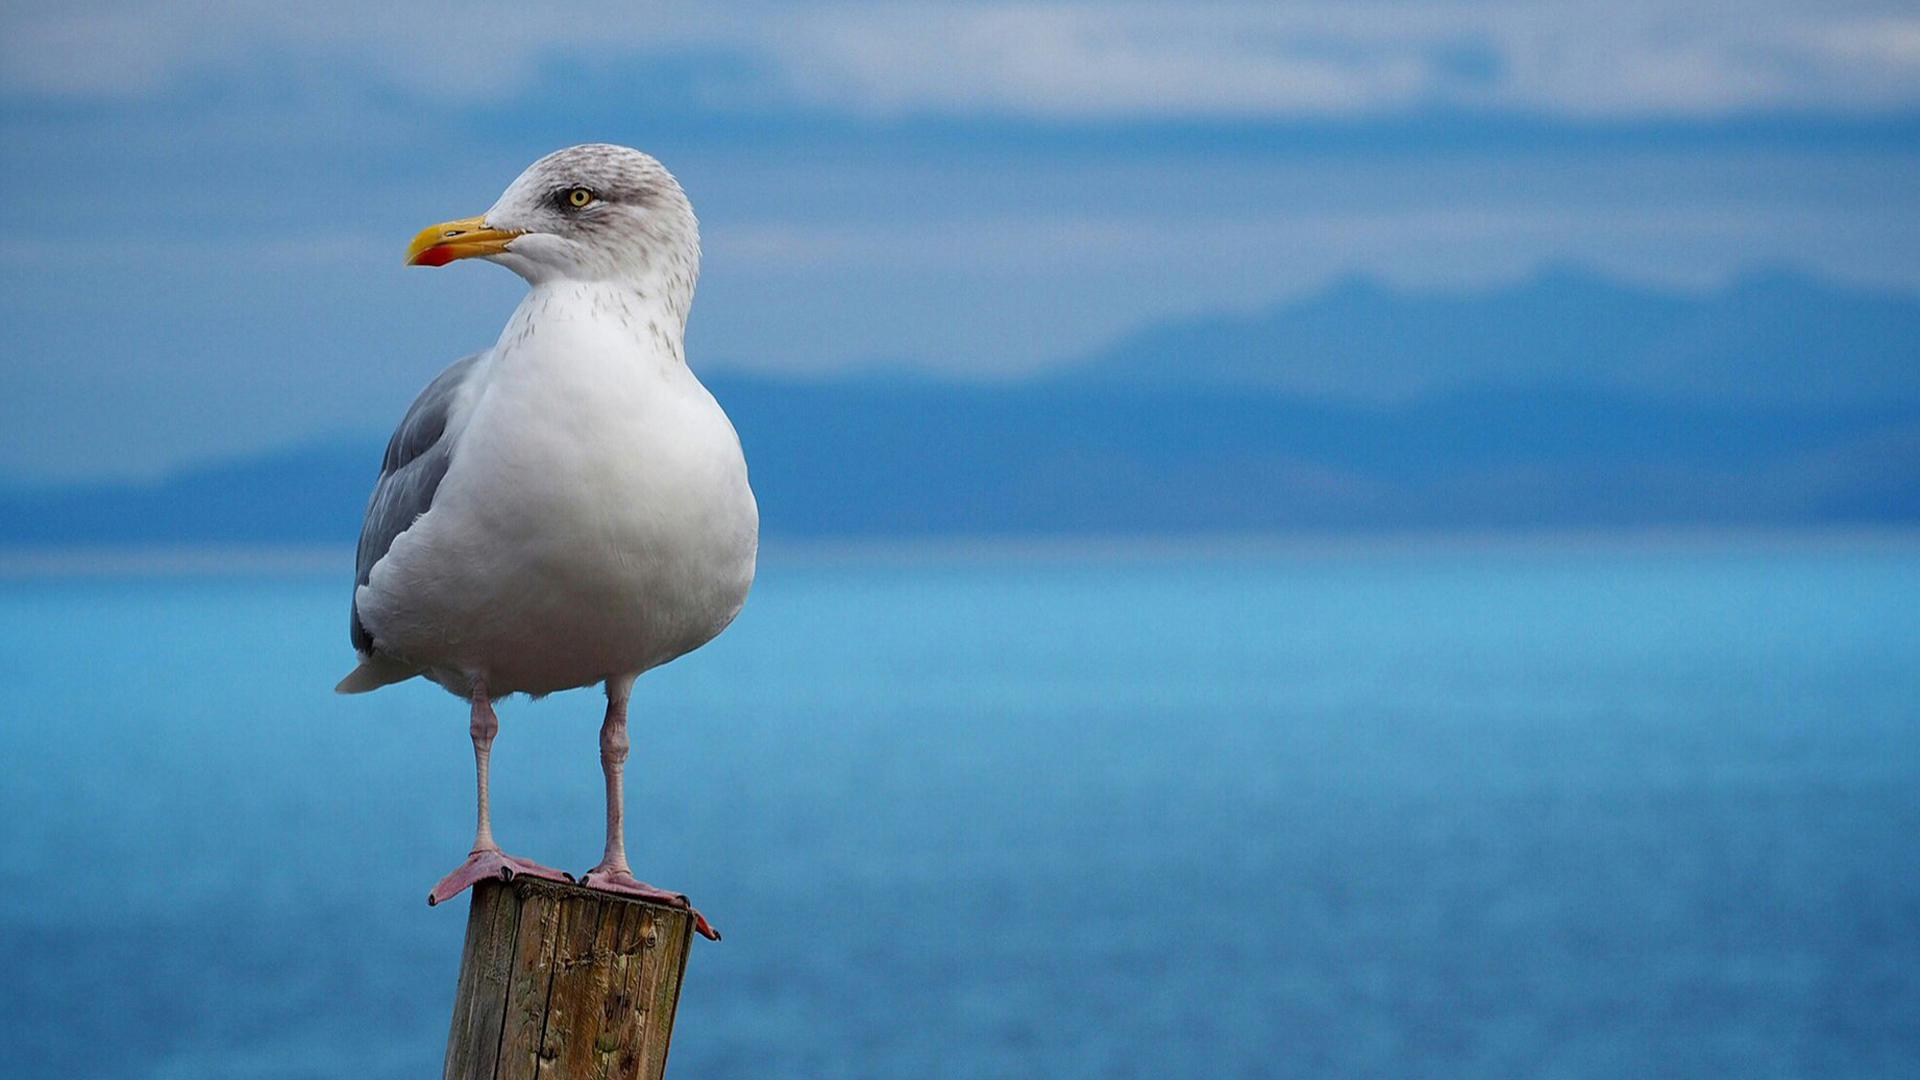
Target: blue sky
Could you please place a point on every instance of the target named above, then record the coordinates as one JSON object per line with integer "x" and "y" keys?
{"x": 206, "y": 203}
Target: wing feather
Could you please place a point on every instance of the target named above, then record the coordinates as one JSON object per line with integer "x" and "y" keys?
{"x": 417, "y": 459}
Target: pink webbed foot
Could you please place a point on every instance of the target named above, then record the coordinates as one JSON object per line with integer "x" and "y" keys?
{"x": 490, "y": 863}
{"x": 624, "y": 883}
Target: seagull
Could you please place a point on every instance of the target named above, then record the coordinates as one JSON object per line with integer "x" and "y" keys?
{"x": 569, "y": 507}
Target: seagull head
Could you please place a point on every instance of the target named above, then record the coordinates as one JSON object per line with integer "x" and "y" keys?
{"x": 594, "y": 212}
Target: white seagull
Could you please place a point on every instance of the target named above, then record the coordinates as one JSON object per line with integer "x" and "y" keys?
{"x": 571, "y": 506}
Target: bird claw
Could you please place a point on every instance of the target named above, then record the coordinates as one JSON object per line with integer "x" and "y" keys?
{"x": 625, "y": 884}
{"x": 490, "y": 863}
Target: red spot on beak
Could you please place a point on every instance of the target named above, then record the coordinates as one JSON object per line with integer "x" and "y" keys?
{"x": 434, "y": 256}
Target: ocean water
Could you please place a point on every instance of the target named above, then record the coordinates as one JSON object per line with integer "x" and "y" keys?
{"x": 1507, "y": 810}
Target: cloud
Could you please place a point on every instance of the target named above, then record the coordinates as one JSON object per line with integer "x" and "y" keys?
{"x": 1569, "y": 59}
{"x": 1633, "y": 59}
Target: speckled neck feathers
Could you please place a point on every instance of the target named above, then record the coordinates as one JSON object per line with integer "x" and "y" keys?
{"x": 653, "y": 326}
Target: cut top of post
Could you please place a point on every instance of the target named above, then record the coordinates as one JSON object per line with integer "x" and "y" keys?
{"x": 561, "y": 981}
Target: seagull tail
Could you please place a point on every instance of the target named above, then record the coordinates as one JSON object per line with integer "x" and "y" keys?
{"x": 373, "y": 673}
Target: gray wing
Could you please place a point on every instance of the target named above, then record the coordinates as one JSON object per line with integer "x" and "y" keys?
{"x": 416, "y": 461}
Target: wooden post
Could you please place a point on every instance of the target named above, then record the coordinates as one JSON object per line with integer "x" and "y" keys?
{"x": 561, "y": 983}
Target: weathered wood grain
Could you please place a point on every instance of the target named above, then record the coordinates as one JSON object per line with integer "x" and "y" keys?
{"x": 559, "y": 982}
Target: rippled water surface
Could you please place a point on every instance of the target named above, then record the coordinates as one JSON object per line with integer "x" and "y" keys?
{"x": 1502, "y": 811}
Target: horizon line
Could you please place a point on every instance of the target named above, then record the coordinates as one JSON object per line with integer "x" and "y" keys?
{"x": 220, "y": 560}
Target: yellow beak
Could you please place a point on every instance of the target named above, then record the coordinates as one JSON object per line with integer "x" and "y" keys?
{"x": 438, "y": 245}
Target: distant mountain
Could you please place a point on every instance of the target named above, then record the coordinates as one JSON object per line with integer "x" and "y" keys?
{"x": 1567, "y": 402}
{"x": 1777, "y": 338}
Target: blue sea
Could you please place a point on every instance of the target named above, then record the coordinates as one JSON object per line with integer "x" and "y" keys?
{"x": 1568, "y": 808}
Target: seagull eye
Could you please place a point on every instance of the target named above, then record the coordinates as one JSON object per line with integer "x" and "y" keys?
{"x": 576, "y": 197}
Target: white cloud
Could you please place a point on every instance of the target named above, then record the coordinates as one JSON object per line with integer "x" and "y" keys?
{"x": 1072, "y": 60}
{"x": 452, "y": 51}
{"x": 1635, "y": 58}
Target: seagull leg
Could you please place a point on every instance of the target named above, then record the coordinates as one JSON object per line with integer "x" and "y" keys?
{"x": 486, "y": 860}
{"x": 613, "y": 874}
